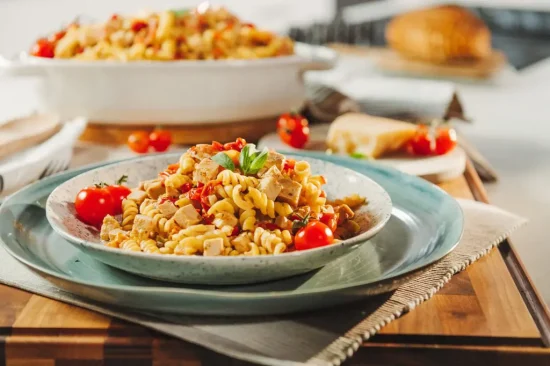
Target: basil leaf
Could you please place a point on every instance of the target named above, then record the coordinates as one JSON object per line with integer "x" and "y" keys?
{"x": 259, "y": 161}
{"x": 180, "y": 12}
{"x": 222, "y": 159}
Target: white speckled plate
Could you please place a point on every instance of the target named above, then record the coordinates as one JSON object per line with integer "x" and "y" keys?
{"x": 214, "y": 270}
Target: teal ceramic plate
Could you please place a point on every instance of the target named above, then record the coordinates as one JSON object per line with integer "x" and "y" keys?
{"x": 426, "y": 224}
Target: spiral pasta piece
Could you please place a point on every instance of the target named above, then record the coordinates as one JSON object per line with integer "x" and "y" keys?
{"x": 187, "y": 164}
{"x": 129, "y": 212}
{"x": 284, "y": 235}
{"x": 247, "y": 219}
{"x": 227, "y": 177}
{"x": 149, "y": 246}
{"x": 176, "y": 180}
{"x": 130, "y": 245}
{"x": 266, "y": 239}
{"x": 302, "y": 170}
{"x": 221, "y": 206}
{"x": 241, "y": 201}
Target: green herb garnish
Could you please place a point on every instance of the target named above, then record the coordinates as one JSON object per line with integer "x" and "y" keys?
{"x": 122, "y": 179}
{"x": 224, "y": 160}
{"x": 300, "y": 223}
{"x": 180, "y": 12}
{"x": 358, "y": 155}
{"x": 251, "y": 160}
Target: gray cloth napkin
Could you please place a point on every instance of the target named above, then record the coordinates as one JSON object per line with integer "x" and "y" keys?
{"x": 324, "y": 337}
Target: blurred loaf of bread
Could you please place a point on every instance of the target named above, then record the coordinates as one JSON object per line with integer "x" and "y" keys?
{"x": 439, "y": 35}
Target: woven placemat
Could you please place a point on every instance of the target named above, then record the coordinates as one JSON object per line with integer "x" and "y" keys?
{"x": 324, "y": 337}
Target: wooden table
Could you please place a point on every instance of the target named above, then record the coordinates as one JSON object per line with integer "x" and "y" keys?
{"x": 489, "y": 314}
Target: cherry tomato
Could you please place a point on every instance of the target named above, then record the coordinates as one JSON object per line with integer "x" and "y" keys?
{"x": 217, "y": 146}
{"x": 139, "y": 141}
{"x": 138, "y": 25}
{"x": 43, "y": 48}
{"x": 237, "y": 145}
{"x": 119, "y": 193}
{"x": 57, "y": 36}
{"x": 235, "y": 231}
{"x": 92, "y": 204}
{"x": 186, "y": 187}
{"x": 422, "y": 143}
{"x": 160, "y": 140}
{"x": 293, "y": 130}
{"x": 314, "y": 235}
{"x": 445, "y": 141}
{"x": 289, "y": 164}
{"x": 329, "y": 219}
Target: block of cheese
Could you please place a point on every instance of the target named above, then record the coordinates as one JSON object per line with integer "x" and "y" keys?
{"x": 356, "y": 133}
{"x": 22, "y": 133}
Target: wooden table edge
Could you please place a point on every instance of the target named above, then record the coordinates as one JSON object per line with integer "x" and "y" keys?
{"x": 529, "y": 293}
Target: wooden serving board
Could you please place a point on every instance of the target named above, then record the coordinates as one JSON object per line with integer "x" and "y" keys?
{"x": 389, "y": 61}
{"x": 490, "y": 314}
{"x": 185, "y": 134}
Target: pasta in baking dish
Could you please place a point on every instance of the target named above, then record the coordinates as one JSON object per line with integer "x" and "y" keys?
{"x": 228, "y": 200}
{"x": 203, "y": 33}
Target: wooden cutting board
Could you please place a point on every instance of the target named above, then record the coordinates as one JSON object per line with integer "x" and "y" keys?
{"x": 389, "y": 61}
{"x": 21, "y": 133}
{"x": 185, "y": 134}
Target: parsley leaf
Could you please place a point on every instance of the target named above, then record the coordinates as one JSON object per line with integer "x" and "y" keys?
{"x": 224, "y": 160}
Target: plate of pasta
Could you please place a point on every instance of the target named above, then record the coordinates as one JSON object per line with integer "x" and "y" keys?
{"x": 220, "y": 214}
{"x": 200, "y": 65}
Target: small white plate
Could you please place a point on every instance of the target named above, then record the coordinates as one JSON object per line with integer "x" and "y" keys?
{"x": 214, "y": 270}
{"x": 433, "y": 168}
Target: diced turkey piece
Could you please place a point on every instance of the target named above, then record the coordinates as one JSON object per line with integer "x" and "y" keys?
{"x": 241, "y": 243}
{"x": 167, "y": 208}
{"x": 273, "y": 159}
{"x": 172, "y": 191}
{"x": 202, "y": 151}
{"x": 283, "y": 223}
{"x": 137, "y": 195}
{"x": 290, "y": 192}
{"x": 117, "y": 232}
{"x": 143, "y": 227}
{"x": 225, "y": 219}
{"x": 344, "y": 213}
{"x": 205, "y": 171}
{"x": 154, "y": 188}
{"x": 187, "y": 216}
{"x": 109, "y": 224}
{"x": 270, "y": 186}
{"x": 273, "y": 172}
{"x": 213, "y": 247}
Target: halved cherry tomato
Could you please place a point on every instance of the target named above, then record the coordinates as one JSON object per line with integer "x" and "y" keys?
{"x": 329, "y": 219}
{"x": 160, "y": 140}
{"x": 314, "y": 235}
{"x": 186, "y": 187}
{"x": 289, "y": 164}
{"x": 207, "y": 190}
{"x": 139, "y": 142}
{"x": 43, "y": 48}
{"x": 237, "y": 145}
{"x": 445, "y": 141}
{"x": 424, "y": 143}
{"x": 208, "y": 219}
{"x": 293, "y": 130}
{"x": 138, "y": 25}
{"x": 92, "y": 204}
{"x": 217, "y": 146}
{"x": 57, "y": 36}
{"x": 235, "y": 231}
